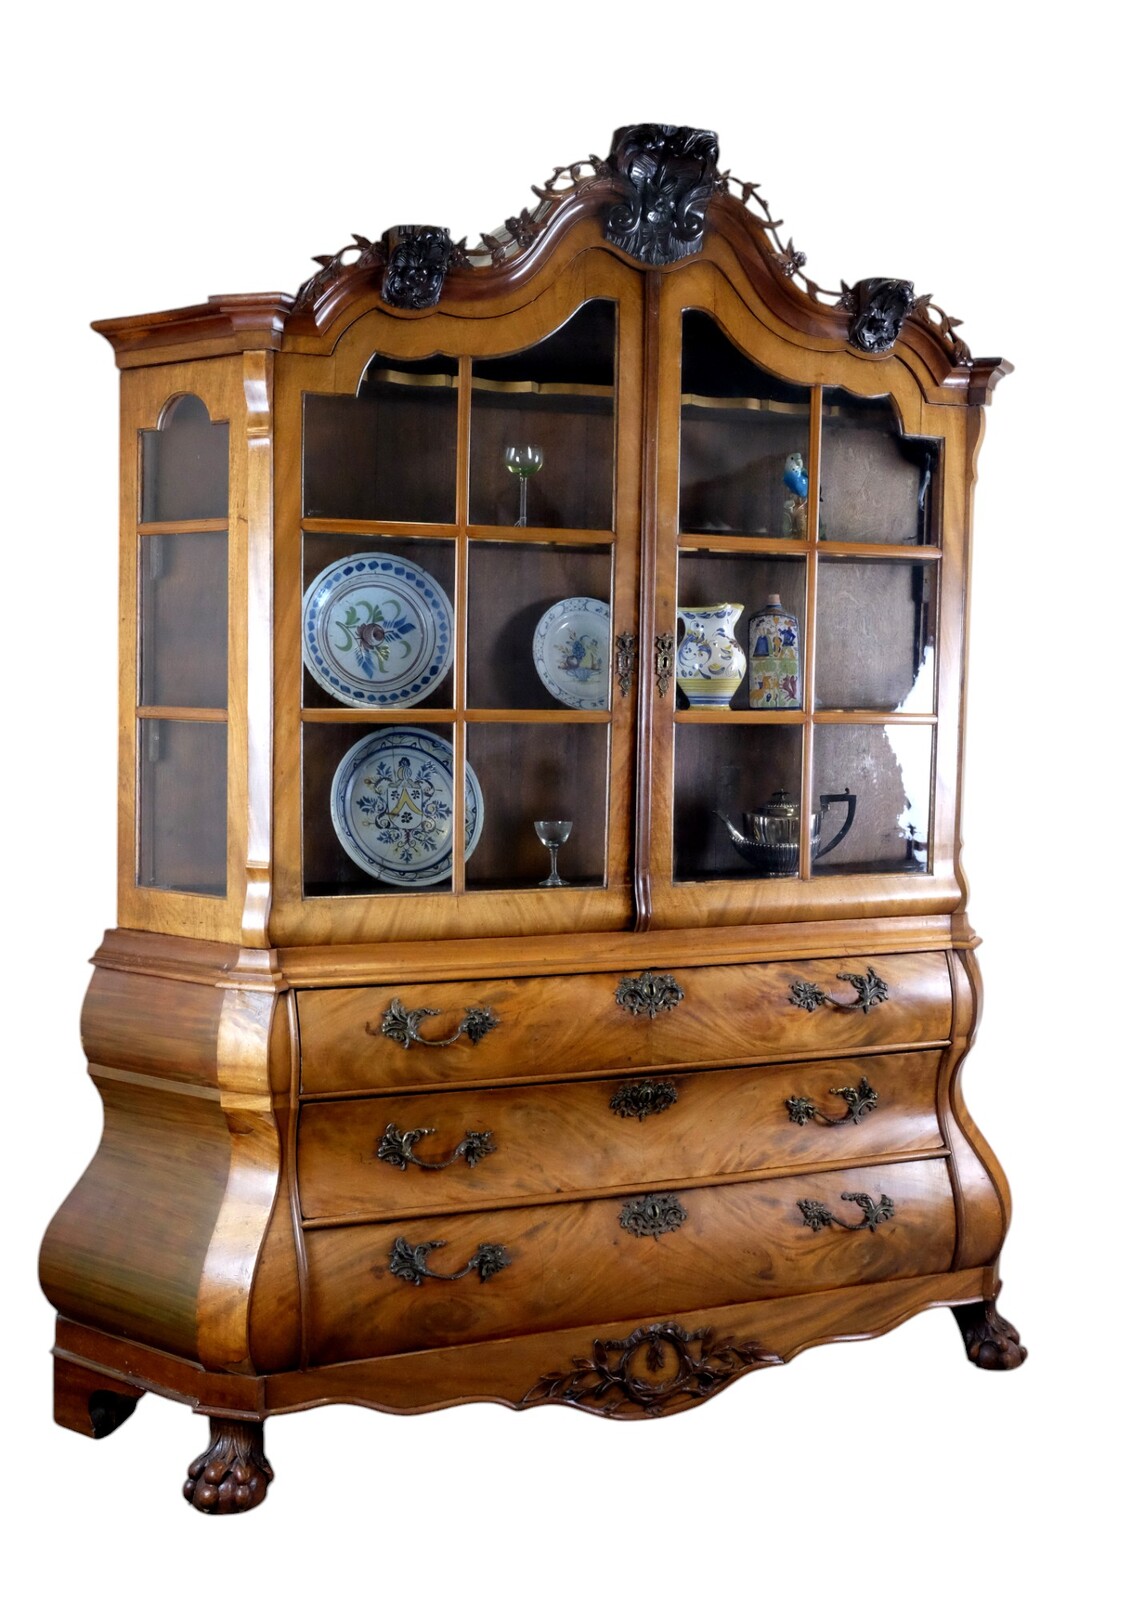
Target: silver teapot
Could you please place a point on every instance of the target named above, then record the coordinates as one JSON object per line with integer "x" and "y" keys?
{"x": 771, "y": 841}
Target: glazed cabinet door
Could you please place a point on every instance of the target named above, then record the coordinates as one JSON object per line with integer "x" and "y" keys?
{"x": 802, "y": 550}
{"x": 457, "y": 546}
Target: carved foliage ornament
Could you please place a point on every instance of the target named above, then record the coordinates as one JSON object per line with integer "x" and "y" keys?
{"x": 655, "y": 1369}
{"x": 667, "y": 175}
{"x": 418, "y": 259}
{"x": 878, "y": 307}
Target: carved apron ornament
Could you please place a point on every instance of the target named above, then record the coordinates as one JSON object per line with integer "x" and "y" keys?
{"x": 667, "y": 175}
{"x": 418, "y": 259}
{"x": 879, "y": 307}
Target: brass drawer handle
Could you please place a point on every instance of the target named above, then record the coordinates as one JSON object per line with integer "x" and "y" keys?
{"x": 410, "y": 1262}
{"x": 649, "y": 994}
{"x": 859, "y": 1101}
{"x": 404, "y": 1026}
{"x": 652, "y": 1214}
{"x": 399, "y": 1149}
{"x": 870, "y": 990}
{"x": 817, "y": 1215}
{"x": 643, "y": 1098}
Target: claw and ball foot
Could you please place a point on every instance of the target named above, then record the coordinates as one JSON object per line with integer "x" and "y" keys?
{"x": 990, "y": 1340}
{"x": 233, "y": 1474}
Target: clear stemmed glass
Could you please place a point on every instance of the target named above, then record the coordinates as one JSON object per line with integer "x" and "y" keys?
{"x": 523, "y": 460}
{"x": 553, "y": 835}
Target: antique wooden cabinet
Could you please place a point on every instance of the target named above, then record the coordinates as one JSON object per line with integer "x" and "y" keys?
{"x": 614, "y": 534}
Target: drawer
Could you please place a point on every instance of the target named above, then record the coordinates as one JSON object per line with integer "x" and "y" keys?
{"x": 608, "y": 1133}
{"x": 354, "y": 1039}
{"x": 536, "y": 1268}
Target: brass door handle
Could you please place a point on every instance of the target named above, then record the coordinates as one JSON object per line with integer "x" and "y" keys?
{"x": 399, "y": 1149}
{"x": 404, "y": 1026}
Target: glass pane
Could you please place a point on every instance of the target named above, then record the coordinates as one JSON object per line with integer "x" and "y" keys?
{"x": 377, "y": 621}
{"x": 887, "y": 769}
{"x": 539, "y": 630}
{"x": 184, "y": 465}
{"x": 728, "y": 774}
{"x": 875, "y": 625}
{"x": 184, "y": 619}
{"x": 555, "y": 400}
{"x": 377, "y": 809}
{"x": 386, "y": 454}
{"x": 741, "y": 430}
{"x": 183, "y": 805}
{"x": 534, "y": 772}
{"x": 764, "y": 596}
{"x": 875, "y": 486}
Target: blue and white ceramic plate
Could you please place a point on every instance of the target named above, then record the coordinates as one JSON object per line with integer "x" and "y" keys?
{"x": 376, "y": 631}
{"x": 571, "y": 652}
{"x": 391, "y": 804}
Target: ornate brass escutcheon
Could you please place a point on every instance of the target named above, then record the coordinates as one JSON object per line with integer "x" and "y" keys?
{"x": 644, "y": 1097}
{"x": 625, "y": 660}
{"x": 404, "y": 1026}
{"x": 664, "y": 661}
{"x": 649, "y": 994}
{"x": 652, "y": 1214}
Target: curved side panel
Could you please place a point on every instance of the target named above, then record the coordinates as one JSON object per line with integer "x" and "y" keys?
{"x": 980, "y": 1187}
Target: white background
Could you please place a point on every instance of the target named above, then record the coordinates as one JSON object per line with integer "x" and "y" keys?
{"x": 156, "y": 155}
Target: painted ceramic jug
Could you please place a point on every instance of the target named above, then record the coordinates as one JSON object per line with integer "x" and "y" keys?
{"x": 774, "y": 658}
{"x": 710, "y": 663}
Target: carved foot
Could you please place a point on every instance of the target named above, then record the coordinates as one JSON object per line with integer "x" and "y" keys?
{"x": 233, "y": 1474}
{"x": 990, "y": 1341}
{"x": 90, "y": 1402}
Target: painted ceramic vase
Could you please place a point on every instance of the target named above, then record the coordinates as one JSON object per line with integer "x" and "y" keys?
{"x": 710, "y": 663}
{"x": 774, "y": 658}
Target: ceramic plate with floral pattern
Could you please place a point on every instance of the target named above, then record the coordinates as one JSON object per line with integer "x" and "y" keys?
{"x": 391, "y": 804}
{"x": 376, "y": 631}
{"x": 571, "y": 652}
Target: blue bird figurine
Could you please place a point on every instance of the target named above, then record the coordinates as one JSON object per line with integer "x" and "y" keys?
{"x": 796, "y": 479}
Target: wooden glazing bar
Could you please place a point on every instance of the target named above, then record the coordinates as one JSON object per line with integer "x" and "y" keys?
{"x": 808, "y": 664}
{"x": 753, "y": 718}
{"x": 876, "y": 718}
{"x": 204, "y": 525}
{"x": 592, "y": 536}
{"x": 359, "y": 528}
{"x": 880, "y": 552}
{"x": 183, "y": 713}
{"x": 460, "y": 629}
{"x": 375, "y": 714}
{"x": 744, "y": 544}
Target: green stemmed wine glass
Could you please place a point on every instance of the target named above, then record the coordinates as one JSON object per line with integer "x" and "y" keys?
{"x": 523, "y": 460}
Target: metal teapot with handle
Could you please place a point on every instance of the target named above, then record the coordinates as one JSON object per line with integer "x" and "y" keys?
{"x": 771, "y": 841}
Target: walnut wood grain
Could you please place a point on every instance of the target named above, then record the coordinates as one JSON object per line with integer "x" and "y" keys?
{"x": 572, "y": 1263}
{"x": 553, "y": 1027}
{"x": 556, "y": 1138}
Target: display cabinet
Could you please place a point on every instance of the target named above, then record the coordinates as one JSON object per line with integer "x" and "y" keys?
{"x": 542, "y": 970}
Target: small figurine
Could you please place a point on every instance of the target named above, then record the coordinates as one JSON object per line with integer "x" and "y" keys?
{"x": 796, "y": 505}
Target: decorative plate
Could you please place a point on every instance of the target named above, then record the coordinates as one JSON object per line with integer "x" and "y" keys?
{"x": 391, "y": 804}
{"x": 376, "y": 631}
{"x": 571, "y": 652}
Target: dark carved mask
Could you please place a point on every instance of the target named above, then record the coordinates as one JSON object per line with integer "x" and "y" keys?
{"x": 418, "y": 260}
{"x": 881, "y": 306}
{"x": 667, "y": 175}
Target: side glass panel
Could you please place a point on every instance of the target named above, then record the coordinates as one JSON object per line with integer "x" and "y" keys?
{"x": 183, "y": 805}
{"x": 538, "y": 772}
{"x": 729, "y": 774}
{"x": 386, "y": 454}
{"x": 876, "y": 487}
{"x": 377, "y": 622}
{"x": 184, "y": 465}
{"x": 888, "y": 770}
{"x": 543, "y": 428}
{"x": 740, "y": 432}
{"x": 539, "y": 632}
{"x": 183, "y": 592}
{"x": 875, "y": 635}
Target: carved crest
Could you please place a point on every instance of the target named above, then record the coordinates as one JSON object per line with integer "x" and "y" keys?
{"x": 418, "y": 259}
{"x": 667, "y": 175}
{"x": 879, "y": 307}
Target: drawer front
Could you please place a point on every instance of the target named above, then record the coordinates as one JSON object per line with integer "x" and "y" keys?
{"x": 354, "y": 1039}
{"x": 481, "y": 1146}
{"x": 535, "y": 1268}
